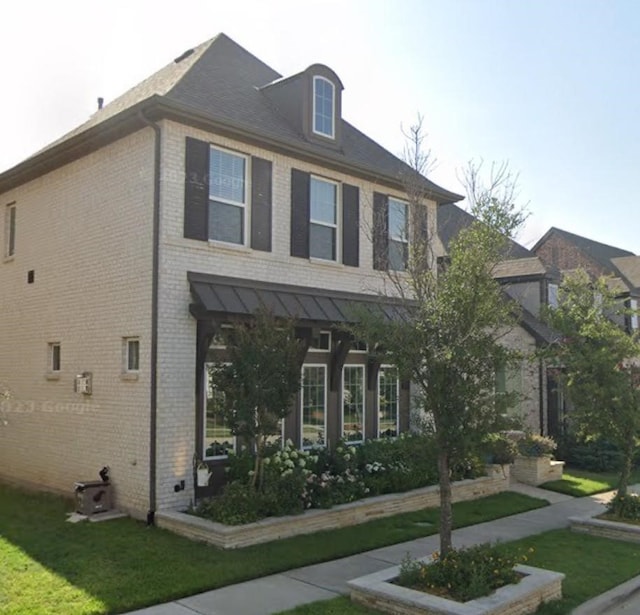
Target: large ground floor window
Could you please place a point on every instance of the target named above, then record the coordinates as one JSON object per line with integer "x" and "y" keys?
{"x": 388, "y": 402}
{"x": 218, "y": 439}
{"x": 353, "y": 391}
{"x": 314, "y": 405}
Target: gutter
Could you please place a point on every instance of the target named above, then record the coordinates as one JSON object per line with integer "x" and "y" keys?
{"x": 153, "y": 393}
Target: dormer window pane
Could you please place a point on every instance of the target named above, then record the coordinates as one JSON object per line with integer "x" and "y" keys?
{"x": 553, "y": 295}
{"x": 323, "y": 107}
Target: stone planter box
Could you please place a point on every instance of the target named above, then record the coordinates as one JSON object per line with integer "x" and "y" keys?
{"x": 344, "y": 515}
{"x": 616, "y": 530}
{"x": 376, "y": 591}
{"x": 536, "y": 470}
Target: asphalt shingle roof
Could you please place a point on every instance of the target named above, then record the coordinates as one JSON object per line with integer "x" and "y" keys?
{"x": 221, "y": 80}
{"x": 452, "y": 219}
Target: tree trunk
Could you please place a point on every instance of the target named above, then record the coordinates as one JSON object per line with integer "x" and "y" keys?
{"x": 446, "y": 514}
{"x": 627, "y": 462}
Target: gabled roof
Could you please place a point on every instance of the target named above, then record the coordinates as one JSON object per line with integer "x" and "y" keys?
{"x": 217, "y": 84}
{"x": 452, "y": 219}
{"x": 601, "y": 253}
{"x": 629, "y": 268}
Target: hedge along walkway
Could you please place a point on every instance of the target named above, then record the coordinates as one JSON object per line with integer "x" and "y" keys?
{"x": 325, "y": 581}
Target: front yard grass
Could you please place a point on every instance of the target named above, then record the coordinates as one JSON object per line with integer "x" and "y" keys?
{"x": 579, "y": 483}
{"x": 593, "y": 565}
{"x": 50, "y": 567}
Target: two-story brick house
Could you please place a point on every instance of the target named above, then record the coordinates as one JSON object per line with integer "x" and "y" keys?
{"x": 212, "y": 188}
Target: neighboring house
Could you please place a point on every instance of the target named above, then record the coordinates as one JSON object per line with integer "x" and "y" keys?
{"x": 212, "y": 188}
{"x": 566, "y": 252}
{"x": 527, "y": 281}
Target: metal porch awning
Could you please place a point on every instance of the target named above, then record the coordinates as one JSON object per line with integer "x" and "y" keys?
{"x": 220, "y": 295}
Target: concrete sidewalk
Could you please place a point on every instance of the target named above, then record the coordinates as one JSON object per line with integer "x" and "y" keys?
{"x": 286, "y": 590}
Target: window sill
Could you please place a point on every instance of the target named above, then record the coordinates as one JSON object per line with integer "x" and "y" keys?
{"x": 129, "y": 376}
{"x": 314, "y": 260}
{"x": 53, "y": 376}
{"x": 8, "y": 259}
{"x": 233, "y": 247}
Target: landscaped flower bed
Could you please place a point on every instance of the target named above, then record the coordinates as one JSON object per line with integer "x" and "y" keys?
{"x": 535, "y": 465}
{"x": 344, "y": 515}
{"x": 621, "y": 521}
{"x": 291, "y": 481}
{"x": 380, "y": 591}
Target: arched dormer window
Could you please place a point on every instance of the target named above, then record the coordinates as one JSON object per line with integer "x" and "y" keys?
{"x": 323, "y": 107}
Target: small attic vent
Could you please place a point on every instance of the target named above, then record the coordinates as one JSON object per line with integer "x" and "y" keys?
{"x": 184, "y": 56}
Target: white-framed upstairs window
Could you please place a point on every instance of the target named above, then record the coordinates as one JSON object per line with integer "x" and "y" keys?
{"x": 313, "y": 405}
{"x": 10, "y": 231}
{"x": 398, "y": 234}
{"x": 324, "y": 104}
{"x": 353, "y": 404}
{"x": 323, "y": 219}
{"x": 388, "y": 402}
{"x": 228, "y": 187}
{"x": 218, "y": 440}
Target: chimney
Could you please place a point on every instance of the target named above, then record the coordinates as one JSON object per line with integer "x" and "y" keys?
{"x": 100, "y": 102}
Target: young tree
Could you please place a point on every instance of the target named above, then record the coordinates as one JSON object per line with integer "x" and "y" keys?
{"x": 448, "y": 341}
{"x": 254, "y": 390}
{"x": 600, "y": 365}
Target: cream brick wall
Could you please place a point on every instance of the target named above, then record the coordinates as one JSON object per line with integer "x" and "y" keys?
{"x": 529, "y": 407}
{"x": 176, "y": 396}
{"x": 85, "y": 229}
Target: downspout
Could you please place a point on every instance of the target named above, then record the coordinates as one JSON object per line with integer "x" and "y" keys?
{"x": 153, "y": 393}
{"x": 541, "y": 393}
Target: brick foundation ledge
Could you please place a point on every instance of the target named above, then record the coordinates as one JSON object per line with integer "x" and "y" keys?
{"x": 377, "y": 591}
{"x": 616, "y": 530}
{"x": 316, "y": 520}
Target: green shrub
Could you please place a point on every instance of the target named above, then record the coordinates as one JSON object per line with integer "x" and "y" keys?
{"x": 593, "y": 454}
{"x": 625, "y": 506}
{"x": 499, "y": 448}
{"x": 236, "y": 505}
{"x": 533, "y": 445}
{"x": 463, "y": 574}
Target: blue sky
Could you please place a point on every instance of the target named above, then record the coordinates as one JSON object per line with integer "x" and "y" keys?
{"x": 549, "y": 85}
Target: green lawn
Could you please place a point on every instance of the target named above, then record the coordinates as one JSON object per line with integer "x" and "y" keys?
{"x": 50, "y": 567}
{"x": 593, "y": 565}
{"x": 580, "y": 483}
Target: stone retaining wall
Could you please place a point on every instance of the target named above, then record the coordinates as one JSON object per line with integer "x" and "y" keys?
{"x": 344, "y": 515}
{"x": 607, "y": 529}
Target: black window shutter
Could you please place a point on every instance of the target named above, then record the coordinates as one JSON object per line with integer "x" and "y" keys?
{"x": 380, "y": 231}
{"x": 196, "y": 190}
{"x": 350, "y": 225}
{"x": 261, "y": 204}
{"x": 299, "y": 213}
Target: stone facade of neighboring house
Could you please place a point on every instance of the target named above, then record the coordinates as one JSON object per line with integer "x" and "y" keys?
{"x": 214, "y": 187}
